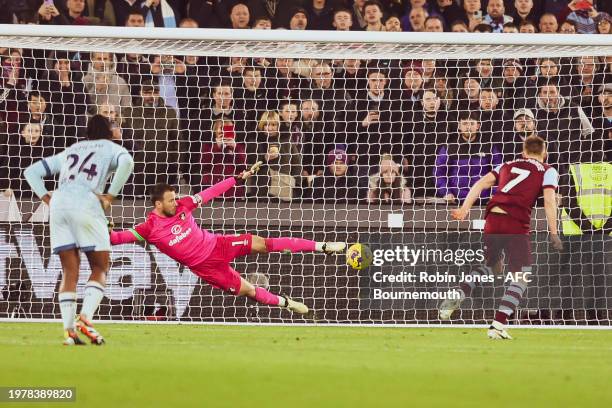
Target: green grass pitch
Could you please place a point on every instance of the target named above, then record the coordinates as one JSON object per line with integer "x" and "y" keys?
{"x": 289, "y": 367}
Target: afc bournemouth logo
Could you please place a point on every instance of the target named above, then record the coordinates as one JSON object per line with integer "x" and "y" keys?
{"x": 176, "y": 229}
{"x": 182, "y": 216}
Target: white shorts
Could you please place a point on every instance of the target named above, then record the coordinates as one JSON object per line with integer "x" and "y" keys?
{"x": 85, "y": 230}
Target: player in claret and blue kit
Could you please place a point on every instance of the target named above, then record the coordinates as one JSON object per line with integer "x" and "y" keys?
{"x": 173, "y": 230}
{"x": 508, "y": 216}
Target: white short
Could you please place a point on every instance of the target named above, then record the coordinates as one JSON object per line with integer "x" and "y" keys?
{"x": 85, "y": 230}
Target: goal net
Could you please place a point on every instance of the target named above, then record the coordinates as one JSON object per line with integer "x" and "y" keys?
{"x": 365, "y": 137}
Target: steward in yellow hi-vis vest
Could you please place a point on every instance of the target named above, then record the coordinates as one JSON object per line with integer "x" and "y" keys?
{"x": 588, "y": 206}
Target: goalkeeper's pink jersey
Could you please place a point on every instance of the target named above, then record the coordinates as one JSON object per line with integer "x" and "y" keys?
{"x": 179, "y": 237}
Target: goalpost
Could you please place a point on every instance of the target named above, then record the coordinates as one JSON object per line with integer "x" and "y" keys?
{"x": 194, "y": 106}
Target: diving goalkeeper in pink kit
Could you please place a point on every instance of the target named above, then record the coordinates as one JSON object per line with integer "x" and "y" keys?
{"x": 173, "y": 230}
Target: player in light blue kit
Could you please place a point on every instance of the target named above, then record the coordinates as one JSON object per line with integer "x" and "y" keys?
{"x": 77, "y": 219}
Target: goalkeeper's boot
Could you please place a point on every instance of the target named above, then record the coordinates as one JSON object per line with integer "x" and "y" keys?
{"x": 331, "y": 247}
{"x": 448, "y": 306}
{"x": 295, "y": 306}
{"x": 71, "y": 338}
{"x": 497, "y": 331}
{"x": 85, "y": 327}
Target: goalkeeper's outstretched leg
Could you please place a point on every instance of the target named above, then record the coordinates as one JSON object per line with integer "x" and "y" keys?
{"x": 263, "y": 296}
{"x": 265, "y": 245}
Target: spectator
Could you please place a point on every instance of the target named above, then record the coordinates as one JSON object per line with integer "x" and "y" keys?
{"x": 350, "y": 76}
{"x": 112, "y": 113}
{"x": 523, "y": 11}
{"x": 282, "y": 81}
{"x": 333, "y": 101}
{"x": 134, "y": 18}
{"x": 239, "y": 16}
{"x": 25, "y": 147}
{"x": 262, "y": 23}
{"x": 555, "y": 7}
{"x": 469, "y": 94}
{"x": 205, "y": 13}
{"x": 548, "y": 70}
{"x": 527, "y": 27}
{"x": 373, "y": 14}
{"x": 168, "y": 73}
{"x": 448, "y": 10}
{"x": 103, "y": 84}
{"x": 393, "y": 24}
{"x": 252, "y": 98}
{"x": 343, "y": 20}
{"x": 339, "y": 182}
{"x": 568, "y": 27}
{"x": 558, "y": 119}
{"x": 299, "y": 19}
{"x": 483, "y": 28}
{"x": 153, "y": 129}
{"x": 472, "y": 13}
{"x": 221, "y": 105}
{"x": 290, "y": 120}
{"x": 159, "y": 13}
{"x": 429, "y": 69}
{"x": 13, "y": 95}
{"x": 517, "y": 91}
{"x": 429, "y": 130}
{"x": 38, "y": 111}
{"x": 584, "y": 81}
{"x": 358, "y": 13}
{"x": 281, "y": 156}
{"x": 314, "y": 139}
{"x": 223, "y": 158}
{"x": 602, "y": 119}
{"x": 445, "y": 91}
{"x": 73, "y": 15}
{"x": 491, "y": 113}
{"x": 434, "y": 24}
{"x": 459, "y": 26}
{"x": 510, "y": 28}
{"x": 412, "y": 87}
{"x": 464, "y": 161}
{"x": 279, "y": 11}
{"x": 376, "y": 121}
{"x": 388, "y": 186}
{"x": 484, "y": 68}
{"x": 548, "y": 23}
{"x": 496, "y": 16}
{"x": 322, "y": 13}
{"x": 583, "y": 15}
{"x": 416, "y": 19}
{"x": 524, "y": 125}
{"x": 604, "y": 23}
{"x": 68, "y": 98}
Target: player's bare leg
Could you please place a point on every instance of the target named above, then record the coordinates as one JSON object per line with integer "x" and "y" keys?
{"x": 67, "y": 294}
{"x": 94, "y": 292}
{"x": 507, "y": 307}
{"x": 448, "y": 306}
{"x": 265, "y": 245}
{"x": 262, "y": 295}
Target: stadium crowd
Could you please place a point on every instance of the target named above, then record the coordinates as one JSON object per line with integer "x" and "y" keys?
{"x": 377, "y": 131}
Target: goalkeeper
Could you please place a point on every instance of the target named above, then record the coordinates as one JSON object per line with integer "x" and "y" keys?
{"x": 173, "y": 230}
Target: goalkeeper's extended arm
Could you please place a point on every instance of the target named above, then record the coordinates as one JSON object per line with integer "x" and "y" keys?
{"x": 125, "y": 237}
{"x": 221, "y": 187}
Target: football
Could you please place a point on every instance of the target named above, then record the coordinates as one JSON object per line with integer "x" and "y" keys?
{"x": 359, "y": 256}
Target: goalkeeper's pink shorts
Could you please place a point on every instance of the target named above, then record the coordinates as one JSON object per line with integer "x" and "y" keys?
{"x": 216, "y": 269}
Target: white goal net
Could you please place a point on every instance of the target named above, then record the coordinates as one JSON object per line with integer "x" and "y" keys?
{"x": 365, "y": 137}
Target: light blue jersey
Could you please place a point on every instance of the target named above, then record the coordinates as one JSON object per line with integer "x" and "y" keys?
{"x": 76, "y": 216}
{"x": 84, "y": 169}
